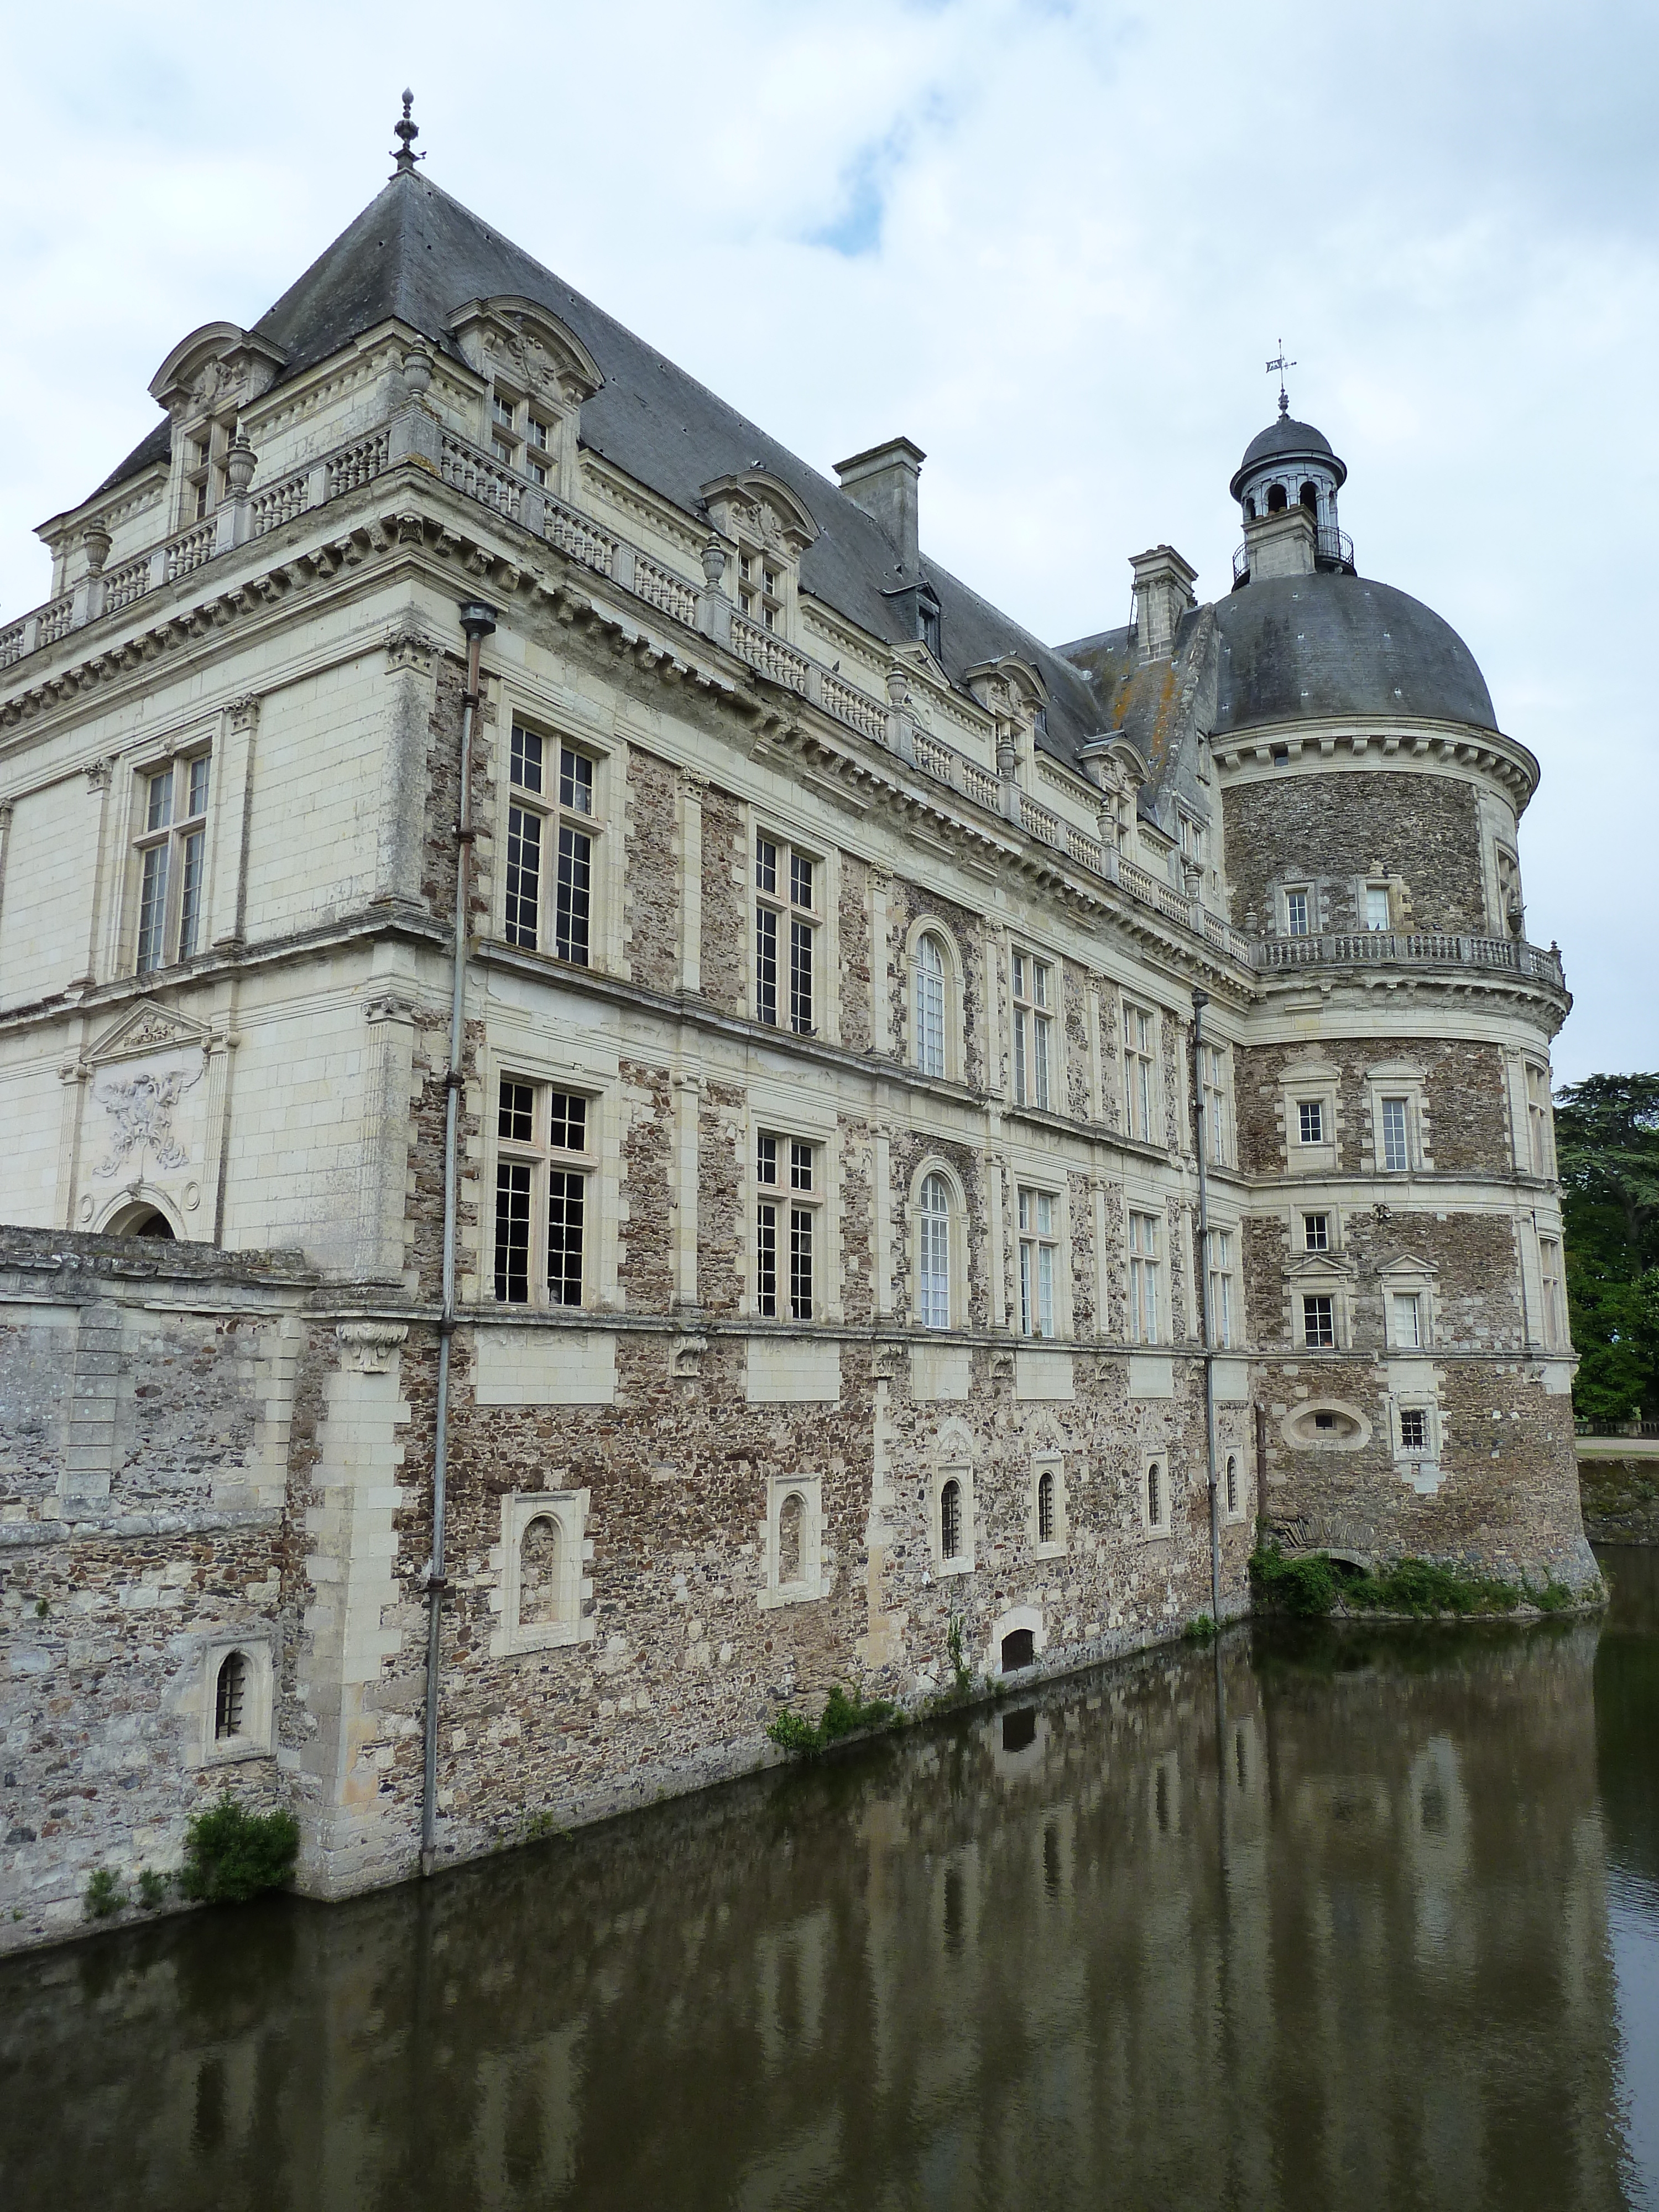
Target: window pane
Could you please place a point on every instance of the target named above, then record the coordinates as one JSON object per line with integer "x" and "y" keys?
{"x": 800, "y": 977}
{"x": 766, "y": 964}
{"x": 568, "y": 1122}
{"x": 1040, "y": 1043}
{"x": 1315, "y": 1232}
{"x": 1311, "y": 1121}
{"x": 159, "y": 806}
{"x": 1020, "y": 1021}
{"x": 1045, "y": 1290}
{"x": 1396, "y": 1156}
{"x": 190, "y": 895}
{"x": 512, "y": 1231}
{"x": 766, "y": 1259}
{"x": 1045, "y": 1508}
{"x": 198, "y": 786}
{"x": 801, "y": 1263}
{"x": 950, "y": 1521}
{"x": 766, "y": 865}
{"x": 564, "y": 1238}
{"x": 526, "y": 760}
{"x": 1377, "y": 907}
{"x": 1318, "y": 1325}
{"x": 801, "y": 881}
{"x": 575, "y": 780}
{"x": 152, "y": 909}
{"x": 801, "y": 1166}
{"x": 1407, "y": 1324}
{"x": 516, "y": 1114}
{"x": 766, "y": 1159}
{"x": 575, "y": 877}
{"x": 524, "y": 876}
{"x": 1296, "y": 913}
{"x": 930, "y": 1008}
{"x": 934, "y": 1288}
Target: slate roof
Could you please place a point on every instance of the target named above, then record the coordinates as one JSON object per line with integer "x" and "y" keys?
{"x": 416, "y": 255}
{"x": 1286, "y": 439}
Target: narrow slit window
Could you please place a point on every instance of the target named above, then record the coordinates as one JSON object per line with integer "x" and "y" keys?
{"x": 950, "y": 1520}
{"x": 1046, "y": 1506}
{"x": 930, "y": 1007}
{"x": 230, "y": 1699}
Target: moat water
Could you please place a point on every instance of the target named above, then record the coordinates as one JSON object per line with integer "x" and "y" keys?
{"x": 1329, "y": 1918}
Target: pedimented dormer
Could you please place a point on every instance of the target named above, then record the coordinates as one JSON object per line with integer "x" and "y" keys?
{"x": 1118, "y": 772}
{"x": 767, "y": 529}
{"x": 536, "y": 373}
{"x": 1014, "y": 692}
{"x": 205, "y": 383}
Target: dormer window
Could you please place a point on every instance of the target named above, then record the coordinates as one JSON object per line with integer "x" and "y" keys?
{"x": 760, "y": 590}
{"x": 204, "y": 470}
{"x": 927, "y": 617}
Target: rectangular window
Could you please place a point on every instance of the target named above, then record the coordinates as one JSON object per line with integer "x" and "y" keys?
{"x": 1413, "y": 1429}
{"x": 760, "y": 590}
{"x": 1408, "y": 1320}
{"x": 1137, "y": 1088}
{"x": 1376, "y": 906}
{"x": 1037, "y": 1247}
{"x": 1311, "y": 1121}
{"x": 1396, "y": 1147}
{"x": 1143, "y": 1278}
{"x": 1318, "y": 1323}
{"x": 1315, "y": 1232}
{"x": 1033, "y": 996}
{"x": 1549, "y": 1254}
{"x": 1296, "y": 913}
{"x": 171, "y": 860}
{"x": 541, "y": 1192}
{"x": 1539, "y": 1121}
{"x": 1221, "y": 1286}
{"x": 783, "y": 916}
{"x": 535, "y": 819}
{"x": 1212, "y": 1104}
{"x": 778, "y": 1215}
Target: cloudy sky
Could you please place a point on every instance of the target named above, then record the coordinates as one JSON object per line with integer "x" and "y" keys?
{"x": 1054, "y": 244}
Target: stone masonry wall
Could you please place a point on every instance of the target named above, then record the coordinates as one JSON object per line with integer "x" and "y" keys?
{"x": 1421, "y": 831}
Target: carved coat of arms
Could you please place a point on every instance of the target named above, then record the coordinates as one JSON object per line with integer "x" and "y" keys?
{"x": 141, "y": 1109}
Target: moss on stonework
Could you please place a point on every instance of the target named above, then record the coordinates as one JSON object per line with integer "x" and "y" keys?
{"x": 1311, "y": 1584}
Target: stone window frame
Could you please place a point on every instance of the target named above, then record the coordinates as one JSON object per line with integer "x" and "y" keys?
{"x": 1231, "y": 1453}
{"x": 256, "y": 1739}
{"x": 1042, "y": 1182}
{"x": 791, "y": 840}
{"x": 1131, "y": 1002}
{"x": 813, "y": 1584}
{"x": 540, "y": 460}
{"x": 516, "y": 1059}
{"x": 517, "y": 707}
{"x": 176, "y": 753}
{"x": 1304, "y": 887}
{"x": 1228, "y": 1225}
{"x": 1047, "y": 1018}
{"x": 959, "y": 1283}
{"x": 1220, "y": 1127}
{"x": 955, "y": 1040}
{"x": 1425, "y": 1401}
{"x": 1364, "y": 887}
{"x": 1319, "y": 1274}
{"x": 1539, "y": 1159}
{"x": 1554, "y": 1333}
{"x": 958, "y": 1469}
{"x": 519, "y": 1508}
{"x": 1049, "y": 1461}
{"x": 1310, "y": 1081}
{"x": 1387, "y": 1080}
{"x": 1331, "y": 1212}
{"x": 1160, "y": 1530}
{"x": 1406, "y": 1277}
{"x": 791, "y": 1116}
{"x": 1150, "y": 1205}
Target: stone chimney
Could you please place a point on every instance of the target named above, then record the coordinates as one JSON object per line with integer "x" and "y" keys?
{"x": 1163, "y": 593}
{"x": 1282, "y": 544}
{"x": 884, "y": 482}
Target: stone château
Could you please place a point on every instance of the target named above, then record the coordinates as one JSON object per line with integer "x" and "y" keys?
{"x": 622, "y": 1102}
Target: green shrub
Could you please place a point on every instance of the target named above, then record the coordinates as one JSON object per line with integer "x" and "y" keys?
{"x": 1422, "y": 1587}
{"x": 1201, "y": 1629}
{"x": 231, "y": 1854}
{"x": 1306, "y": 1585}
{"x": 842, "y": 1716}
{"x": 103, "y": 1894}
{"x": 153, "y": 1888}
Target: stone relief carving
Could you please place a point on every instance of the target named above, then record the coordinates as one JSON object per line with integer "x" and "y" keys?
{"x": 369, "y": 1345}
{"x": 141, "y": 1109}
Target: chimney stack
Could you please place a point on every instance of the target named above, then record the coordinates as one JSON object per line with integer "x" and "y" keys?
{"x": 1163, "y": 593}
{"x": 884, "y": 482}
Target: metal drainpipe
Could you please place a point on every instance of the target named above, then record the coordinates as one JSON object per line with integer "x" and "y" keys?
{"x": 1200, "y": 1000}
{"x": 477, "y": 621}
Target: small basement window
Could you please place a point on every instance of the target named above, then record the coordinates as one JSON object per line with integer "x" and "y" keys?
{"x": 1019, "y": 1650}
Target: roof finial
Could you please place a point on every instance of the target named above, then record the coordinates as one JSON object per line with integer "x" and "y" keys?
{"x": 408, "y": 132}
{"x": 1281, "y": 365}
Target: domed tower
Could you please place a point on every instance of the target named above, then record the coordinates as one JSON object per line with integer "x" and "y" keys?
{"x": 1405, "y": 1280}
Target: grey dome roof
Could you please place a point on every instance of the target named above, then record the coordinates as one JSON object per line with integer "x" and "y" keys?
{"x": 1287, "y": 440}
{"x": 1295, "y": 648}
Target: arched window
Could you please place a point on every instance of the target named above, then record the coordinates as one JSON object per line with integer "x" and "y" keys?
{"x": 950, "y": 1520}
{"x": 230, "y": 1697}
{"x": 1309, "y": 497}
{"x": 934, "y": 1255}
{"x": 1276, "y": 499}
{"x": 1154, "y": 1495}
{"x": 930, "y": 1007}
{"x": 792, "y": 1523}
{"x": 539, "y": 1572}
{"x": 1019, "y": 1650}
{"x": 1046, "y": 1506}
{"x": 1250, "y": 509}
{"x": 1232, "y": 1486}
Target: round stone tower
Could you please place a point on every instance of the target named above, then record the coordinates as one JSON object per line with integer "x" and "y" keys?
{"x": 1403, "y": 1249}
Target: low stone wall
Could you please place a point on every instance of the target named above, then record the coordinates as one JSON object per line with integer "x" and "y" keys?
{"x": 1620, "y": 1497}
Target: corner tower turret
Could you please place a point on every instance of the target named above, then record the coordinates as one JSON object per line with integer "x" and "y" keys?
{"x": 1288, "y": 472}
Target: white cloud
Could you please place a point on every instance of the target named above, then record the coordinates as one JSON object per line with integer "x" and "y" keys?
{"x": 1054, "y": 245}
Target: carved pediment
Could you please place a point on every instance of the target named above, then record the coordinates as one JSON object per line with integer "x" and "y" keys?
{"x": 216, "y": 366}
{"x": 1115, "y": 765}
{"x": 759, "y": 506}
{"x": 1408, "y": 1265}
{"x": 532, "y": 348}
{"x": 1008, "y": 686}
{"x": 1318, "y": 1267}
{"x": 146, "y": 1029}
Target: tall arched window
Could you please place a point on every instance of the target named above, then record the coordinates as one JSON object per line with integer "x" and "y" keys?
{"x": 934, "y": 1256}
{"x": 930, "y": 1007}
{"x": 1232, "y": 1486}
{"x": 1309, "y": 497}
{"x": 950, "y": 1520}
{"x": 231, "y": 1698}
{"x": 791, "y": 1522}
{"x": 1155, "y": 1495}
{"x": 1046, "y": 1506}
{"x": 1276, "y": 500}
{"x": 539, "y": 1572}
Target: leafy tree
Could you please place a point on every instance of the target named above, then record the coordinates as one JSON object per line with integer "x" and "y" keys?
{"x": 1607, "y": 1132}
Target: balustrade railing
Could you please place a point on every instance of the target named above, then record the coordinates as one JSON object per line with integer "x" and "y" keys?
{"x": 190, "y": 549}
{"x": 856, "y": 709}
{"x": 1429, "y": 948}
{"x": 661, "y": 588}
{"x": 767, "y": 652}
{"x": 124, "y": 585}
{"x": 280, "y": 503}
{"x": 359, "y": 463}
{"x": 590, "y": 543}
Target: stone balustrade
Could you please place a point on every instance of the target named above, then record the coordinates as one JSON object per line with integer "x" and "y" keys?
{"x": 1371, "y": 948}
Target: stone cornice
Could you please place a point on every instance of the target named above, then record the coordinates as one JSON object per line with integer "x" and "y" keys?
{"x": 1440, "y": 748}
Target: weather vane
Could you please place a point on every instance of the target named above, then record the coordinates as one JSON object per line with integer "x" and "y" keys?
{"x": 408, "y": 132}
{"x": 1278, "y": 367}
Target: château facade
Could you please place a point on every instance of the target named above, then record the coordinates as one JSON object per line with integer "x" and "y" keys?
{"x": 623, "y": 1102}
